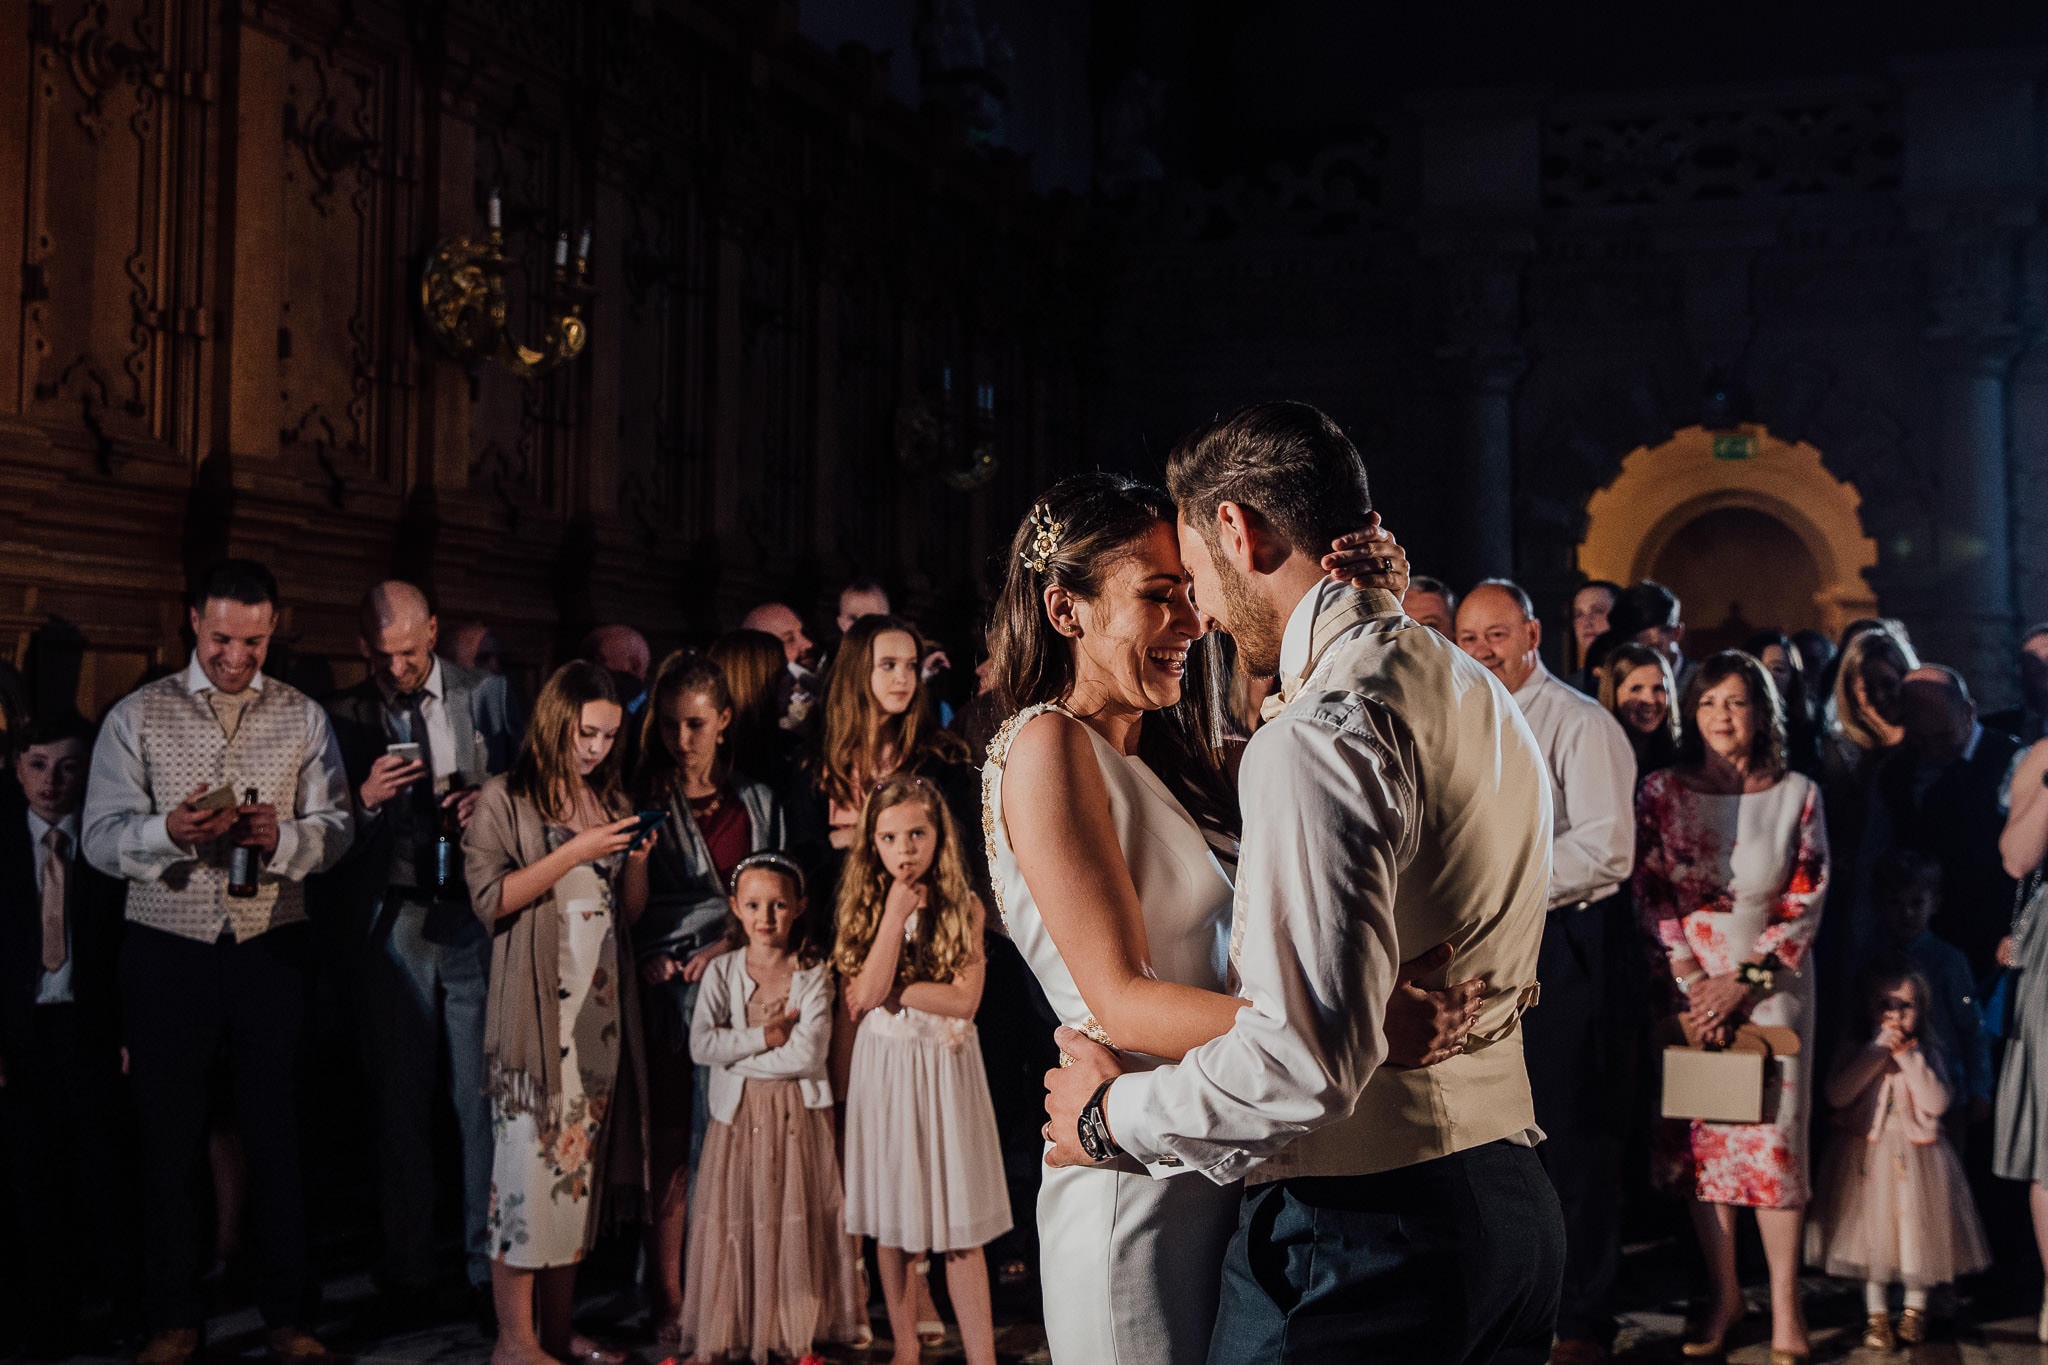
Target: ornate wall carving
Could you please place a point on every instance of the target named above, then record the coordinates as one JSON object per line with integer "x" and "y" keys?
{"x": 220, "y": 207}
{"x": 1826, "y": 142}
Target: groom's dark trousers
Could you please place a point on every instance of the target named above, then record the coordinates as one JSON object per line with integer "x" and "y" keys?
{"x": 1454, "y": 1260}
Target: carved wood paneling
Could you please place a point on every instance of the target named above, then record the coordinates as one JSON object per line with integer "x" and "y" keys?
{"x": 221, "y": 209}
{"x": 345, "y": 338}
{"x": 97, "y": 304}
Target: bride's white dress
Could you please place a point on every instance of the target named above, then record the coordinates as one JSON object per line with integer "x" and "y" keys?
{"x": 1129, "y": 1264}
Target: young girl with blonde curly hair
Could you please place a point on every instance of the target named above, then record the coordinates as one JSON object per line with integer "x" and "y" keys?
{"x": 924, "y": 1169}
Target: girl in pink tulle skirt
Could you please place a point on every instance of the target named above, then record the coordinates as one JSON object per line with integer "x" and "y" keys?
{"x": 1892, "y": 1206}
{"x": 768, "y": 1271}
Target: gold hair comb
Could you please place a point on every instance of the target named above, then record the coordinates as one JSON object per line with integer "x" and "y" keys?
{"x": 1046, "y": 542}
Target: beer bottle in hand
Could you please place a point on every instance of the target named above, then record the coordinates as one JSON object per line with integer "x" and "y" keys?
{"x": 242, "y": 861}
{"x": 448, "y": 877}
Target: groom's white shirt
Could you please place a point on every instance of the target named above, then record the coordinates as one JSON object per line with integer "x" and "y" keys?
{"x": 1333, "y": 793}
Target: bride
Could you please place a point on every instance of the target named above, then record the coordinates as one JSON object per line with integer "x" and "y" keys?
{"x": 1105, "y": 795}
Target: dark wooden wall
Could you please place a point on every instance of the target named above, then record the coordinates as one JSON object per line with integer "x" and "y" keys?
{"x": 212, "y": 343}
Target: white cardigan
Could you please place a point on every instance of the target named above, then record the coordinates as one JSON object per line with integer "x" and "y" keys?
{"x": 720, "y": 1039}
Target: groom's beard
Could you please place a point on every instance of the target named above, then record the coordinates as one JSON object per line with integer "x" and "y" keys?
{"x": 1256, "y": 627}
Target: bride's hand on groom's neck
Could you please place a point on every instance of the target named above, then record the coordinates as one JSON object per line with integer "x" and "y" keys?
{"x": 1369, "y": 557}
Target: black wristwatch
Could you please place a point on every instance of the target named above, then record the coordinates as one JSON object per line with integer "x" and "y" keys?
{"x": 1094, "y": 1128}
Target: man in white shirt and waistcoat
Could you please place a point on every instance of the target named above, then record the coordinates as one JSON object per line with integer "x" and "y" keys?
{"x": 1395, "y": 802}
{"x": 205, "y": 970}
{"x": 1573, "y": 1032}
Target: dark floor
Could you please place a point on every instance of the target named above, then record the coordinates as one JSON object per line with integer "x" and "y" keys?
{"x": 1982, "y": 1327}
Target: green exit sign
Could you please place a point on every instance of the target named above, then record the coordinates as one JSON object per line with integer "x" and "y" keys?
{"x": 1735, "y": 446}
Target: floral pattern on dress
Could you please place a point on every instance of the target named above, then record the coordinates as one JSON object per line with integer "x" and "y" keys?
{"x": 506, "y": 1221}
{"x": 1704, "y": 891}
{"x": 570, "y": 1153}
{"x": 549, "y": 1162}
{"x": 1681, "y": 889}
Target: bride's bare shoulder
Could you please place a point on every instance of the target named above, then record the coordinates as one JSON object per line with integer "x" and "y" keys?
{"x": 1048, "y": 745}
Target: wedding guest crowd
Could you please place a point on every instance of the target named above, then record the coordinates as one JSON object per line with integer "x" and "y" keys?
{"x": 697, "y": 958}
{"x": 1831, "y": 845}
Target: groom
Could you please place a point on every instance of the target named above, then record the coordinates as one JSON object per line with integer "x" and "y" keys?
{"x": 1395, "y": 802}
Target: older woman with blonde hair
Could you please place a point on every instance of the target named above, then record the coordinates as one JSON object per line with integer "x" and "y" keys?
{"x": 1860, "y": 728}
{"x": 1862, "y": 707}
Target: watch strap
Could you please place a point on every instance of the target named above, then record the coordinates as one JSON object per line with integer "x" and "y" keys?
{"x": 1094, "y": 1128}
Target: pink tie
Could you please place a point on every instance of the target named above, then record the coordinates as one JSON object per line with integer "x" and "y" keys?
{"x": 55, "y": 949}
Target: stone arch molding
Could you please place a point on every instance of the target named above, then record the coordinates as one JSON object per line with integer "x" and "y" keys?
{"x": 1662, "y": 488}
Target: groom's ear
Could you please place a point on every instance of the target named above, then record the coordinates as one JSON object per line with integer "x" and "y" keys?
{"x": 1252, "y": 544}
{"x": 1236, "y": 536}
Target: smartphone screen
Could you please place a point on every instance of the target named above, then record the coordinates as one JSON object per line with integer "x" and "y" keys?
{"x": 650, "y": 820}
{"x": 408, "y": 752}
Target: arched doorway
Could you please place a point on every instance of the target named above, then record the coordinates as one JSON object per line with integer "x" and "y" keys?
{"x": 1750, "y": 531}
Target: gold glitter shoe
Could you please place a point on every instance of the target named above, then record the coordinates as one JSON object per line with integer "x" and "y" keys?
{"x": 1878, "y": 1335}
{"x": 1913, "y": 1326}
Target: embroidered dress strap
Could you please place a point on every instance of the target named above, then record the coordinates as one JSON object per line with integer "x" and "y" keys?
{"x": 991, "y": 779}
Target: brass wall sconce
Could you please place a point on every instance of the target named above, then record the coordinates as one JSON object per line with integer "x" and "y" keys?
{"x": 934, "y": 433}
{"x": 462, "y": 299}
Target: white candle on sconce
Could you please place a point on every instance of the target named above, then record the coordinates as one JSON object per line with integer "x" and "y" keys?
{"x": 583, "y": 250}
{"x": 946, "y": 380}
{"x": 561, "y": 250}
{"x": 496, "y": 209}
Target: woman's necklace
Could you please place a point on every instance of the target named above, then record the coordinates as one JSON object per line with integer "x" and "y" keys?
{"x": 705, "y": 806}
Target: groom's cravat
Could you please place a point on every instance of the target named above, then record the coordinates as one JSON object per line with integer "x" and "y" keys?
{"x": 1276, "y": 700}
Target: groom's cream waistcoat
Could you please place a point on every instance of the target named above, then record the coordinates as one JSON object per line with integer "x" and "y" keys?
{"x": 1477, "y": 879}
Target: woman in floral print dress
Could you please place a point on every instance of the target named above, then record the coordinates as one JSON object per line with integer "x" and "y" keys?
{"x": 554, "y": 869}
{"x": 1731, "y": 873}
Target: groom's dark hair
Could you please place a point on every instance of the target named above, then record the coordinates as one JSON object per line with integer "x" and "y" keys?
{"x": 1289, "y": 462}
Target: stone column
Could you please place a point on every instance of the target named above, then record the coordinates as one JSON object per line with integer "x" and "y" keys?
{"x": 1480, "y": 157}
{"x": 1972, "y": 182}
{"x": 2027, "y": 445}
{"x": 1974, "y": 630}
{"x": 1485, "y": 482}
{"x": 1969, "y": 621}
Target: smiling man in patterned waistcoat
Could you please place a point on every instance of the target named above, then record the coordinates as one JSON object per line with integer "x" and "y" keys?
{"x": 202, "y": 968}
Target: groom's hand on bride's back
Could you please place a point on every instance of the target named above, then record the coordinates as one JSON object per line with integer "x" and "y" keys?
{"x": 1425, "y": 1027}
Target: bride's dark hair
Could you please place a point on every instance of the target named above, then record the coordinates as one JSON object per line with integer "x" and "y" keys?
{"x": 1102, "y": 517}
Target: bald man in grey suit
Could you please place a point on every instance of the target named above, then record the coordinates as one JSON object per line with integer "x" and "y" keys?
{"x": 426, "y": 967}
